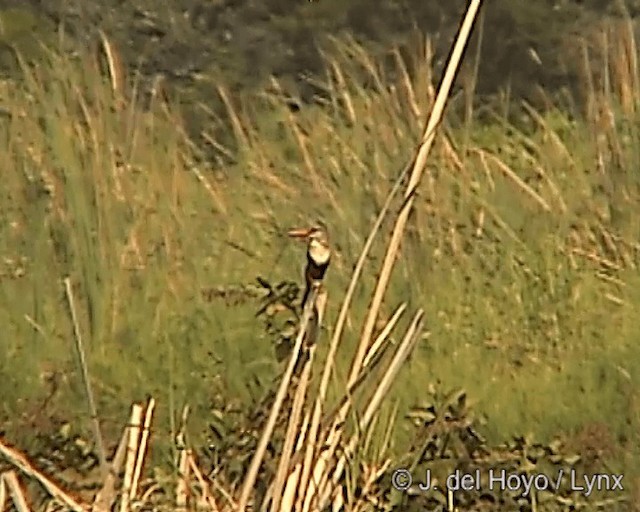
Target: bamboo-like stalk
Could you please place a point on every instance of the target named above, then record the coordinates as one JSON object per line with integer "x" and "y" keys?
{"x": 330, "y": 422}
{"x": 414, "y": 180}
{"x": 384, "y": 334}
{"x": 3, "y": 492}
{"x": 86, "y": 382}
{"x": 182, "y": 487}
{"x": 374, "y": 360}
{"x": 292, "y": 430}
{"x": 291, "y": 494}
{"x": 144, "y": 439}
{"x": 113, "y": 64}
{"x": 258, "y": 456}
{"x": 182, "y": 462}
{"x": 132, "y": 451}
{"x": 17, "y": 495}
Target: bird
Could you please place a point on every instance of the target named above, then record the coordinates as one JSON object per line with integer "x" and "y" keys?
{"x": 318, "y": 255}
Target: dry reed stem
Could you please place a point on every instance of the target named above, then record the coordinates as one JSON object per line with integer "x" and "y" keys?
{"x": 132, "y": 450}
{"x": 291, "y": 494}
{"x": 318, "y": 185}
{"x": 320, "y": 475}
{"x": 414, "y": 180}
{"x": 252, "y": 473}
{"x": 384, "y": 334}
{"x": 555, "y": 138}
{"x": 380, "y": 393}
{"x": 3, "y": 492}
{"x": 22, "y": 463}
{"x": 85, "y": 380}
{"x": 487, "y": 171}
{"x": 450, "y": 501}
{"x": 105, "y": 498}
{"x": 364, "y": 58}
{"x": 397, "y": 234}
{"x": 142, "y": 450}
{"x": 540, "y": 170}
{"x": 182, "y": 486}
{"x": 283, "y": 472}
{"x": 309, "y": 454}
{"x": 15, "y": 489}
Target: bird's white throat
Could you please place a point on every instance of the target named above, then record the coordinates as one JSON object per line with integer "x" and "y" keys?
{"x": 319, "y": 252}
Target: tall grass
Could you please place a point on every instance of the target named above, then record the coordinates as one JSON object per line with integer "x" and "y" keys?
{"x": 522, "y": 247}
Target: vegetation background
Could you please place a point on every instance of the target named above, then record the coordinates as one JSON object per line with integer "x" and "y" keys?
{"x": 164, "y": 196}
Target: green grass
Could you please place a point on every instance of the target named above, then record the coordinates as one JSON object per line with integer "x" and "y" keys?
{"x": 533, "y": 312}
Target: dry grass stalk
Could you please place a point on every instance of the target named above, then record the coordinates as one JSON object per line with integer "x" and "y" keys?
{"x": 17, "y": 495}
{"x": 414, "y": 180}
{"x": 85, "y": 379}
{"x": 204, "y": 487}
{"x": 450, "y": 501}
{"x": 406, "y": 82}
{"x": 183, "y": 483}
{"x": 238, "y": 129}
{"x": 592, "y": 256}
{"x": 105, "y": 498}
{"x": 132, "y": 451}
{"x": 520, "y": 183}
{"x": 290, "y": 494}
{"x": 374, "y": 404}
{"x": 384, "y": 335}
{"x": 293, "y": 431}
{"x": 3, "y": 492}
{"x": 373, "y": 475}
{"x": 318, "y": 185}
{"x": 291, "y": 436}
{"x": 143, "y": 448}
{"x": 215, "y": 195}
{"x": 252, "y": 473}
{"x": 321, "y": 472}
{"x": 22, "y": 463}
{"x": 182, "y": 486}
{"x": 113, "y": 64}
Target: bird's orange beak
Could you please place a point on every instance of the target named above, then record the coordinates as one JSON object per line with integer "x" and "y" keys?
{"x": 299, "y": 233}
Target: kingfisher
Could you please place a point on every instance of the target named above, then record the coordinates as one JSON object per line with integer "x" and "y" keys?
{"x": 318, "y": 255}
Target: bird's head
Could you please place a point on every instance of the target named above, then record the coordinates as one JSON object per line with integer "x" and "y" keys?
{"x": 317, "y": 233}
{"x": 317, "y": 240}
